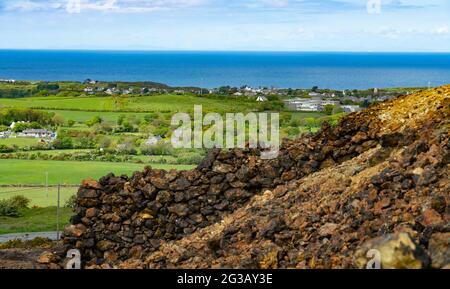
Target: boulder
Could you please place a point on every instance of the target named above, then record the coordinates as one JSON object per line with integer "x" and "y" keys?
{"x": 397, "y": 251}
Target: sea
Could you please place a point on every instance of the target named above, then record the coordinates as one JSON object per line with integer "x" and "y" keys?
{"x": 335, "y": 70}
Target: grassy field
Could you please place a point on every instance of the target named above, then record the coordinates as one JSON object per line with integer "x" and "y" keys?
{"x": 82, "y": 116}
{"x": 306, "y": 114}
{"x": 25, "y": 172}
{"x": 35, "y": 220}
{"x": 39, "y": 196}
{"x": 20, "y": 142}
{"x": 58, "y": 152}
{"x": 157, "y": 103}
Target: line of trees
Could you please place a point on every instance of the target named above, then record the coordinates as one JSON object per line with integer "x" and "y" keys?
{"x": 9, "y": 115}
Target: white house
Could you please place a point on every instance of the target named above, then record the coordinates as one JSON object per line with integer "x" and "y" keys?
{"x": 314, "y": 94}
{"x": 312, "y": 104}
{"x": 351, "y": 108}
{"x": 330, "y": 102}
{"x": 261, "y": 99}
{"x": 5, "y": 134}
{"x": 153, "y": 140}
{"x": 37, "y": 133}
{"x": 13, "y": 124}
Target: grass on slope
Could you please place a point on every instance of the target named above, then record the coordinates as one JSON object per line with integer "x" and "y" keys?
{"x": 156, "y": 103}
{"x": 39, "y": 196}
{"x": 82, "y": 116}
{"x": 20, "y": 142}
{"x": 26, "y": 172}
{"x": 35, "y": 220}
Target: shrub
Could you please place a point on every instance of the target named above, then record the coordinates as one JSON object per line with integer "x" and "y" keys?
{"x": 189, "y": 158}
{"x": 38, "y": 242}
{"x": 6, "y": 149}
{"x": 161, "y": 149}
{"x": 20, "y": 201}
{"x": 63, "y": 142}
{"x": 8, "y": 209}
{"x": 70, "y": 122}
{"x": 95, "y": 120}
{"x": 71, "y": 202}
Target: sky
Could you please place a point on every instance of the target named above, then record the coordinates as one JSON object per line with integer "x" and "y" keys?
{"x": 227, "y": 25}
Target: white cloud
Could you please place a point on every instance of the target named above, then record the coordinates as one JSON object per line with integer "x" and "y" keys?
{"x": 441, "y": 30}
{"x": 122, "y": 6}
{"x": 32, "y": 5}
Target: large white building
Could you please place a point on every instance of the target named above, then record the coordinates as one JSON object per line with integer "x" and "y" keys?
{"x": 37, "y": 133}
{"x": 308, "y": 104}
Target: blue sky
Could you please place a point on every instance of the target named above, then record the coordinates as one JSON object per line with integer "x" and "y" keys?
{"x": 259, "y": 25}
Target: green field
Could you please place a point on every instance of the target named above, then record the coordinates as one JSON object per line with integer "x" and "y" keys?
{"x": 157, "y": 103}
{"x": 20, "y": 142}
{"x": 35, "y": 220}
{"x": 305, "y": 114}
{"x": 26, "y": 172}
{"x": 39, "y": 196}
{"x": 82, "y": 116}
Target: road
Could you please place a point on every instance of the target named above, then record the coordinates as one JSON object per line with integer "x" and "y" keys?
{"x": 27, "y": 236}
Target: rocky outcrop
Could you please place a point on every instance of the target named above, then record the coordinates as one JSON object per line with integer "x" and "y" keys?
{"x": 379, "y": 180}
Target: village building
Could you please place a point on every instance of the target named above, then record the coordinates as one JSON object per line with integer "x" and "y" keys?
{"x": 37, "y": 133}
{"x": 309, "y": 104}
{"x": 351, "y": 108}
{"x": 5, "y": 134}
{"x": 261, "y": 98}
{"x": 153, "y": 140}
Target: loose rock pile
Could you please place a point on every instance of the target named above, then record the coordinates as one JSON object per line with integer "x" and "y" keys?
{"x": 381, "y": 171}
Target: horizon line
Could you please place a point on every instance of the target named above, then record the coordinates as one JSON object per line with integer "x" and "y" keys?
{"x": 217, "y": 51}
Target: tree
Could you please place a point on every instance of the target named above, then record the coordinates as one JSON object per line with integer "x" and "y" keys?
{"x": 19, "y": 127}
{"x": 314, "y": 88}
{"x": 95, "y": 120}
{"x": 310, "y": 123}
{"x": 161, "y": 131}
{"x": 63, "y": 142}
{"x": 328, "y": 109}
{"x": 58, "y": 120}
{"x": 70, "y": 122}
{"x": 104, "y": 142}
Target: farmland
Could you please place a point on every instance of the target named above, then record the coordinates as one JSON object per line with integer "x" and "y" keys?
{"x": 35, "y": 220}
{"x": 39, "y": 196}
{"x": 24, "y": 172}
{"x": 156, "y": 103}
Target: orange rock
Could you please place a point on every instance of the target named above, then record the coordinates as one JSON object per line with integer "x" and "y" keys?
{"x": 47, "y": 258}
{"x": 430, "y": 217}
{"x": 328, "y": 229}
{"x": 91, "y": 184}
